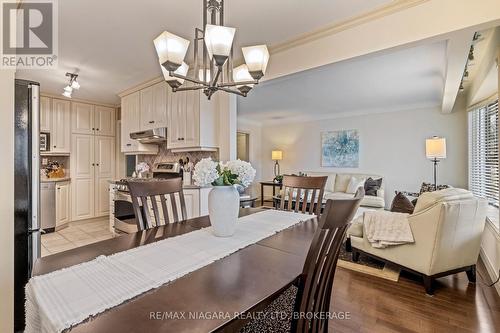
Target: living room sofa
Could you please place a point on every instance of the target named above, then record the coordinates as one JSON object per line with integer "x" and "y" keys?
{"x": 336, "y": 187}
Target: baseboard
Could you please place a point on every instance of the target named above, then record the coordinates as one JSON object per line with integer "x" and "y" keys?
{"x": 491, "y": 270}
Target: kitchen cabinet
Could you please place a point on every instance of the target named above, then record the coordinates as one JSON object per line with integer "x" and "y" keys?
{"x": 45, "y": 114}
{"x": 92, "y": 166}
{"x": 192, "y": 200}
{"x": 92, "y": 119}
{"x": 63, "y": 200}
{"x": 60, "y": 133}
{"x": 131, "y": 122}
{"x": 153, "y": 109}
{"x": 192, "y": 120}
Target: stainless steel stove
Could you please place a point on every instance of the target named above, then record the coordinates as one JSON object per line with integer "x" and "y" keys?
{"x": 161, "y": 171}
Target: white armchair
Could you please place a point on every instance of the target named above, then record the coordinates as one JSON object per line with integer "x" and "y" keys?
{"x": 447, "y": 226}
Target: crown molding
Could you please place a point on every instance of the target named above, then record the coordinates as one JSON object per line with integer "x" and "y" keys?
{"x": 385, "y": 10}
{"x": 77, "y": 100}
{"x": 141, "y": 86}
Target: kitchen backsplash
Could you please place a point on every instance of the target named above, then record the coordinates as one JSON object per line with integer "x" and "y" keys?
{"x": 165, "y": 155}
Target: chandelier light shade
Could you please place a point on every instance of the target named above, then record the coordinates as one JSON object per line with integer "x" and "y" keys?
{"x": 173, "y": 81}
{"x": 256, "y": 58}
{"x": 213, "y": 57}
{"x": 171, "y": 50}
{"x": 241, "y": 74}
{"x": 219, "y": 40}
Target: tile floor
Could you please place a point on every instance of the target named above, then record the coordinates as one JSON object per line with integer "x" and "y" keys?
{"x": 77, "y": 234}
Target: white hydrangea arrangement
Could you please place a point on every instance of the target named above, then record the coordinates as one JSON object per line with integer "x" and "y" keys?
{"x": 208, "y": 172}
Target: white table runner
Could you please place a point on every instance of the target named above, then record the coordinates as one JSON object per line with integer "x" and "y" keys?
{"x": 63, "y": 298}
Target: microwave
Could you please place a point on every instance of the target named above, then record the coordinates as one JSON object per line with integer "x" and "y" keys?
{"x": 44, "y": 141}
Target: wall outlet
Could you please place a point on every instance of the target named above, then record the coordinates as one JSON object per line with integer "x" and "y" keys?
{"x": 45, "y": 161}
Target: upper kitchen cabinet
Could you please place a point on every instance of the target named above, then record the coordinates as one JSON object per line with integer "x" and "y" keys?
{"x": 130, "y": 123}
{"x": 104, "y": 120}
{"x": 60, "y": 134}
{"x": 192, "y": 122}
{"x": 92, "y": 119}
{"x": 154, "y": 102}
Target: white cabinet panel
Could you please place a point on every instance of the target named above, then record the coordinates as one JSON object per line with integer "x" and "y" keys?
{"x": 82, "y": 118}
{"x": 104, "y": 120}
{"x": 82, "y": 174}
{"x": 61, "y": 126}
{"x": 146, "y": 109}
{"x": 161, "y": 93}
{"x": 192, "y": 199}
{"x": 63, "y": 199}
{"x": 129, "y": 121}
{"x": 104, "y": 170}
{"x": 45, "y": 114}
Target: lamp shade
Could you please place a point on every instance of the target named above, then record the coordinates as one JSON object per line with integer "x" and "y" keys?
{"x": 277, "y": 155}
{"x": 175, "y": 82}
{"x": 256, "y": 58}
{"x": 435, "y": 148}
{"x": 219, "y": 40}
{"x": 171, "y": 50}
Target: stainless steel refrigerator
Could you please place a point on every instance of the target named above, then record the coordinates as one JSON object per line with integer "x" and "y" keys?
{"x": 26, "y": 190}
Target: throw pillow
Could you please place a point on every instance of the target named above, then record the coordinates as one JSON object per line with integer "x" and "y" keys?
{"x": 354, "y": 184}
{"x": 372, "y": 186}
{"x": 401, "y": 204}
{"x": 428, "y": 187}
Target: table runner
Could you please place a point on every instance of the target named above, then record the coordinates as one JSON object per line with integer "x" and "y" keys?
{"x": 64, "y": 298}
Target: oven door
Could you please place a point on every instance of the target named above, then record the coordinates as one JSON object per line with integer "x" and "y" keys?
{"x": 124, "y": 217}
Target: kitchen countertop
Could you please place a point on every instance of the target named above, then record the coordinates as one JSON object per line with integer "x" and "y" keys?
{"x": 194, "y": 187}
{"x": 54, "y": 180}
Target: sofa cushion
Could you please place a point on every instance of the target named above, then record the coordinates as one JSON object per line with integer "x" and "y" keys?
{"x": 428, "y": 199}
{"x": 341, "y": 182}
{"x": 337, "y": 195}
{"x": 356, "y": 228}
{"x": 371, "y": 201}
{"x": 401, "y": 204}
{"x": 354, "y": 184}
{"x": 372, "y": 186}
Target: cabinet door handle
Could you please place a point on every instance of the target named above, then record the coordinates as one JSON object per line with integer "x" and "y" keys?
{"x": 55, "y": 146}
{"x": 97, "y": 129}
{"x": 151, "y": 121}
{"x": 93, "y": 164}
{"x": 97, "y": 164}
{"x": 129, "y": 144}
{"x": 93, "y": 128}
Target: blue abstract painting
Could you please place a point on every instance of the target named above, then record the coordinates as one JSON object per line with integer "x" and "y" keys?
{"x": 340, "y": 149}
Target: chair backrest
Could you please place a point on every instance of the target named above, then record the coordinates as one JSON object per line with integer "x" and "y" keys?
{"x": 303, "y": 194}
{"x": 316, "y": 281}
{"x": 149, "y": 195}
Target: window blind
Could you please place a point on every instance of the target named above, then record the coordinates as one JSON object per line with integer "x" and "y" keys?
{"x": 483, "y": 152}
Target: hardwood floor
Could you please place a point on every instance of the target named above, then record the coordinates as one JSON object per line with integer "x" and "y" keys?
{"x": 378, "y": 305}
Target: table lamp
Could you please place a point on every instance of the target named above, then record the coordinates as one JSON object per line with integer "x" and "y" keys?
{"x": 277, "y": 155}
{"x": 435, "y": 150}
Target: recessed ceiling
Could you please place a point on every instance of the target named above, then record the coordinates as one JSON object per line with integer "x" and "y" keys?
{"x": 411, "y": 78}
{"x": 110, "y": 43}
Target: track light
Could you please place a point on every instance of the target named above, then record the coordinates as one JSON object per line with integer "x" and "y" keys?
{"x": 73, "y": 85}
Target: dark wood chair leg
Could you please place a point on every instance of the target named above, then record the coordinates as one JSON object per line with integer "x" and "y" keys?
{"x": 429, "y": 289}
{"x": 348, "y": 246}
{"x": 355, "y": 255}
{"x": 471, "y": 274}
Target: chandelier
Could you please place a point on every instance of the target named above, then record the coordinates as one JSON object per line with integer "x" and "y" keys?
{"x": 214, "y": 70}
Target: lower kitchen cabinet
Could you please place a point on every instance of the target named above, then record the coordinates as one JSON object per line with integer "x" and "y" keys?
{"x": 63, "y": 203}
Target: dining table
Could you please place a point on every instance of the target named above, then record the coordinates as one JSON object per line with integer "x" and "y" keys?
{"x": 215, "y": 298}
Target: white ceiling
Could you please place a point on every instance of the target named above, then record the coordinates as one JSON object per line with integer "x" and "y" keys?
{"x": 110, "y": 43}
{"x": 411, "y": 78}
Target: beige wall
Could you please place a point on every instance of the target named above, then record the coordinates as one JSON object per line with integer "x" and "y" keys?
{"x": 7, "y": 201}
{"x": 391, "y": 145}
{"x": 255, "y": 149}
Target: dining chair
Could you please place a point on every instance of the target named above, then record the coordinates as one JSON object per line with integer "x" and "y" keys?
{"x": 302, "y": 194}
{"x": 307, "y": 301}
{"x": 148, "y": 195}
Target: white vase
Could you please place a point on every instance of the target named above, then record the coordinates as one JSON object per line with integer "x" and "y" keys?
{"x": 223, "y": 207}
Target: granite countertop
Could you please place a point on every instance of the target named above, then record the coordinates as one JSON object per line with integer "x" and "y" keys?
{"x": 55, "y": 180}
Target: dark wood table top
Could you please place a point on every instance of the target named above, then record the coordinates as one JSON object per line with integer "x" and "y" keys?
{"x": 270, "y": 183}
{"x": 234, "y": 284}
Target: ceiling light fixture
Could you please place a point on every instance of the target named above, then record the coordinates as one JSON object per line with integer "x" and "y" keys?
{"x": 73, "y": 85}
{"x": 216, "y": 57}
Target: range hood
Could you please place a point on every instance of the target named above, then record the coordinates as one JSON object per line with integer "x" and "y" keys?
{"x": 156, "y": 135}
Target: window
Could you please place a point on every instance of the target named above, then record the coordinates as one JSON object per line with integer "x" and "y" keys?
{"x": 483, "y": 152}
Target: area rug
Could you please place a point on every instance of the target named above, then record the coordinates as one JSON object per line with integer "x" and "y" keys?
{"x": 368, "y": 265}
